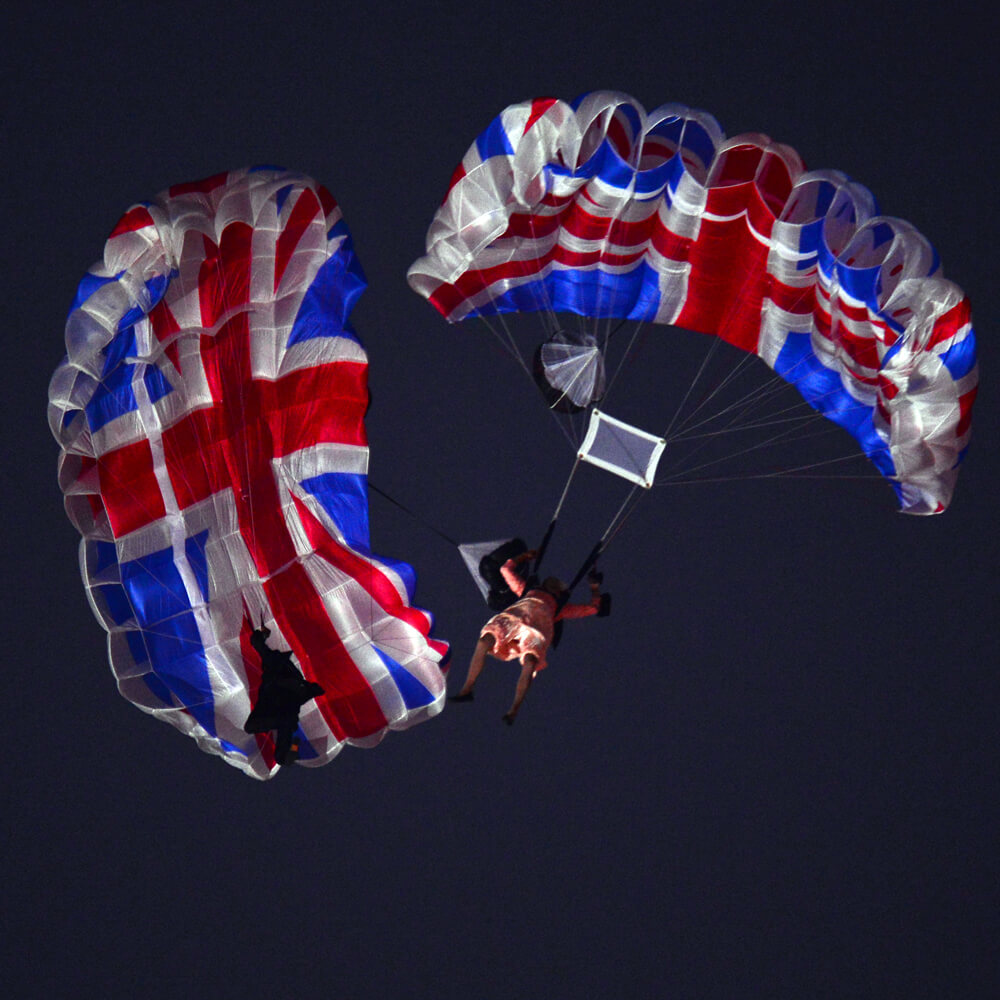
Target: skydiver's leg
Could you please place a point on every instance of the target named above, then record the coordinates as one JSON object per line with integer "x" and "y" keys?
{"x": 476, "y": 664}
{"x": 523, "y": 683}
{"x": 283, "y": 746}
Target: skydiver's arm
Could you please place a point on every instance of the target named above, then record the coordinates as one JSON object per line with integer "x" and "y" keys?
{"x": 509, "y": 572}
{"x": 596, "y": 605}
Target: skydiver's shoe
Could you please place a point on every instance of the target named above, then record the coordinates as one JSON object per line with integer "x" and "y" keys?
{"x": 468, "y": 696}
{"x": 509, "y": 718}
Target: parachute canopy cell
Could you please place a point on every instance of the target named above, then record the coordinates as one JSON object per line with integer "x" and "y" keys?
{"x": 210, "y": 411}
{"x": 604, "y": 210}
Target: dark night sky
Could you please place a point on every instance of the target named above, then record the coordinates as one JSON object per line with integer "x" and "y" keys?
{"x": 771, "y": 773}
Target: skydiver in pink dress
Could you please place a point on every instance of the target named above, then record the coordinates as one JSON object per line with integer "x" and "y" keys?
{"x": 524, "y": 631}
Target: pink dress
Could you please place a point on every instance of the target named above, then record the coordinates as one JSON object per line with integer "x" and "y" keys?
{"x": 527, "y": 626}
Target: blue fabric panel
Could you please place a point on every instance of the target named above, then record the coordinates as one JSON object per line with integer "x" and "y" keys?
{"x": 413, "y": 693}
{"x": 669, "y": 130}
{"x": 129, "y": 318}
{"x": 605, "y": 163}
{"x": 121, "y": 346}
{"x": 344, "y": 497}
{"x": 340, "y": 229}
{"x": 156, "y": 383}
{"x": 882, "y": 232}
{"x": 699, "y": 142}
{"x": 280, "y": 196}
{"x": 104, "y": 554}
{"x": 162, "y": 610}
{"x": 650, "y": 182}
{"x": 824, "y": 199}
{"x": 960, "y": 358}
{"x": 155, "y": 588}
{"x": 113, "y": 397}
{"x": 306, "y": 750}
{"x": 406, "y": 573}
{"x": 233, "y": 748}
{"x": 859, "y": 282}
{"x": 115, "y": 600}
{"x": 88, "y": 285}
{"x": 157, "y": 287}
{"x": 329, "y": 300}
{"x": 634, "y": 295}
{"x": 631, "y": 114}
{"x": 494, "y": 141}
{"x": 136, "y": 646}
{"x": 158, "y": 689}
{"x": 822, "y": 389}
{"x": 194, "y": 549}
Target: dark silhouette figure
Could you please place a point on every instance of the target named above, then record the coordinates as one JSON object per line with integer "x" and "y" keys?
{"x": 283, "y": 692}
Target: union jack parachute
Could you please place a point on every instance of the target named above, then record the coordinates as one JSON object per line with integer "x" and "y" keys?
{"x": 210, "y": 411}
{"x": 601, "y": 209}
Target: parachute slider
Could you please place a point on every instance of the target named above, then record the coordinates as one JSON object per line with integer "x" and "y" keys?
{"x": 622, "y": 449}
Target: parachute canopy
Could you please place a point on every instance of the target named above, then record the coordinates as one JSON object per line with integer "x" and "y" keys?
{"x": 210, "y": 411}
{"x": 604, "y": 210}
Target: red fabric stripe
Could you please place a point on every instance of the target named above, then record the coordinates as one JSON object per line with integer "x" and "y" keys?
{"x": 371, "y": 578}
{"x": 128, "y": 487}
{"x": 727, "y": 284}
{"x": 348, "y": 705}
{"x": 327, "y": 201}
{"x": 619, "y": 137}
{"x": 948, "y": 325}
{"x": 224, "y": 276}
{"x": 538, "y": 108}
{"x": 302, "y": 215}
{"x": 458, "y": 174}
{"x": 135, "y": 218}
{"x": 163, "y": 322}
{"x": 860, "y": 348}
{"x": 887, "y": 388}
{"x": 314, "y": 405}
{"x": 965, "y": 402}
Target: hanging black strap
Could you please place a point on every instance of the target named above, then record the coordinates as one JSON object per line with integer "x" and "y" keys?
{"x": 588, "y": 564}
{"x": 533, "y": 570}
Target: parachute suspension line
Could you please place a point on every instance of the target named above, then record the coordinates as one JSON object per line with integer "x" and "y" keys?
{"x": 768, "y": 419}
{"x": 562, "y": 499}
{"x": 735, "y": 429}
{"x": 786, "y": 435}
{"x": 687, "y": 395}
{"x": 781, "y": 473}
{"x": 506, "y": 339}
{"x": 773, "y": 386}
{"x": 415, "y": 516}
{"x": 555, "y": 517}
{"x": 627, "y": 352}
{"x": 371, "y": 567}
{"x": 805, "y": 424}
{"x": 725, "y": 381}
{"x": 743, "y": 406}
{"x": 509, "y": 344}
{"x": 616, "y": 524}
